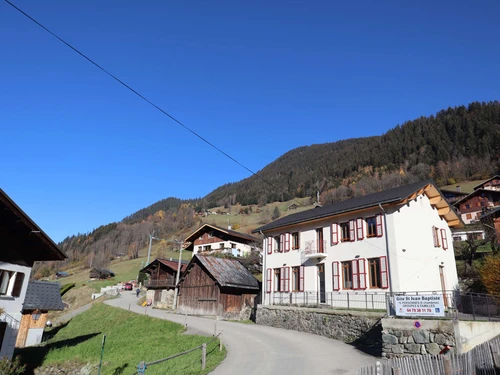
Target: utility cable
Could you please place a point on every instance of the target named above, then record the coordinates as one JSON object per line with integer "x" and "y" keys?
{"x": 146, "y": 99}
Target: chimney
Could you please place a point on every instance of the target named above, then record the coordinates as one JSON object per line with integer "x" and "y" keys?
{"x": 459, "y": 188}
{"x": 229, "y": 227}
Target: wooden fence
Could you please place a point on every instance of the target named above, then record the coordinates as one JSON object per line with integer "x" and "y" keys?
{"x": 484, "y": 359}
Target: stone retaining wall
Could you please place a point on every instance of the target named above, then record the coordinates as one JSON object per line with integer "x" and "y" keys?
{"x": 342, "y": 325}
{"x": 402, "y": 337}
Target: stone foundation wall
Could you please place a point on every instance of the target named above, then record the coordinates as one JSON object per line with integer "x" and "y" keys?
{"x": 401, "y": 337}
{"x": 342, "y": 325}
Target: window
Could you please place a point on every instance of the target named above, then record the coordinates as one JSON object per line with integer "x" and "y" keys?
{"x": 269, "y": 245}
{"x": 467, "y": 206}
{"x": 207, "y": 247}
{"x": 277, "y": 279}
{"x": 435, "y": 236}
{"x": 199, "y": 249}
{"x": 298, "y": 279}
{"x": 374, "y": 273}
{"x": 444, "y": 239}
{"x": 279, "y": 244}
{"x": 319, "y": 239}
{"x": 344, "y": 232}
{"x": 374, "y": 226}
{"x": 468, "y": 216}
{"x": 335, "y": 234}
{"x": 295, "y": 241}
{"x": 221, "y": 246}
{"x": 11, "y": 283}
{"x": 336, "y": 276}
{"x": 233, "y": 245}
{"x": 285, "y": 242}
{"x": 285, "y": 279}
{"x": 482, "y": 204}
{"x": 346, "y": 275}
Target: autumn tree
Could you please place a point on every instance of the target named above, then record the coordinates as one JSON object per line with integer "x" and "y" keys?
{"x": 276, "y": 213}
{"x": 490, "y": 274}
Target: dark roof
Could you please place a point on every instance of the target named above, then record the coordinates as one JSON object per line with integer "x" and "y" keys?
{"x": 173, "y": 264}
{"x": 387, "y": 196}
{"x": 492, "y": 212}
{"x": 226, "y": 271}
{"x": 23, "y": 242}
{"x": 209, "y": 227}
{"x": 485, "y": 181}
{"x": 43, "y": 295}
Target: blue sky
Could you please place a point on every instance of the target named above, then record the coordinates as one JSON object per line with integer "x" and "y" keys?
{"x": 256, "y": 78}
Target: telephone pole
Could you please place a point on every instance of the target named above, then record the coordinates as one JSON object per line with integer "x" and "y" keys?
{"x": 178, "y": 275}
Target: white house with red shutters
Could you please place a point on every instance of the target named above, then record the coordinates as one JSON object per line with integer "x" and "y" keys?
{"x": 397, "y": 240}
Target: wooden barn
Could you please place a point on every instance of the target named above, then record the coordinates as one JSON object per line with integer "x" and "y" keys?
{"x": 217, "y": 287}
{"x": 100, "y": 274}
{"x": 161, "y": 283}
{"x": 41, "y": 297}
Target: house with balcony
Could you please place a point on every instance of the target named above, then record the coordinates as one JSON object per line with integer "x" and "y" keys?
{"x": 161, "y": 282}
{"x": 485, "y": 196}
{"x": 397, "y": 240}
{"x": 23, "y": 243}
{"x": 210, "y": 239}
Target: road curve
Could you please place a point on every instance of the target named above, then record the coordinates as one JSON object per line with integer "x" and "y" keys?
{"x": 261, "y": 350}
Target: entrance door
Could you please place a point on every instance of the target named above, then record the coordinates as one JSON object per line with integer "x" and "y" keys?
{"x": 319, "y": 238}
{"x": 443, "y": 285}
{"x": 321, "y": 276}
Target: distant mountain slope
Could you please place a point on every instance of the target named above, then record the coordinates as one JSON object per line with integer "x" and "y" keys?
{"x": 469, "y": 136}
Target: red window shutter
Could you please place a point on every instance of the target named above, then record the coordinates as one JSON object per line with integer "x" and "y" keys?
{"x": 287, "y": 279}
{"x": 301, "y": 279}
{"x": 355, "y": 274}
{"x": 336, "y": 275}
{"x": 384, "y": 277}
{"x": 287, "y": 242}
{"x": 362, "y": 273}
{"x": 359, "y": 228}
{"x": 269, "y": 245}
{"x": 268, "y": 281}
{"x": 352, "y": 230}
{"x": 380, "y": 231}
{"x": 282, "y": 242}
{"x": 444, "y": 239}
{"x": 282, "y": 279}
{"x": 335, "y": 234}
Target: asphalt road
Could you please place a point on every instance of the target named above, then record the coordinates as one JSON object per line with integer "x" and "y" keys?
{"x": 255, "y": 349}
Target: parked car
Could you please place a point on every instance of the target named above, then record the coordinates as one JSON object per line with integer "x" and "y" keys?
{"x": 128, "y": 286}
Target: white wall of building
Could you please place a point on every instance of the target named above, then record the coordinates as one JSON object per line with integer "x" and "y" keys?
{"x": 12, "y": 307}
{"x": 414, "y": 260}
{"x": 236, "y": 248}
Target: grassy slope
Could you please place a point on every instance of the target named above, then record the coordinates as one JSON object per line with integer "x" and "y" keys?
{"x": 130, "y": 339}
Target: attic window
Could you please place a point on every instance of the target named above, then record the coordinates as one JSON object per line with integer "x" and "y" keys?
{"x": 210, "y": 234}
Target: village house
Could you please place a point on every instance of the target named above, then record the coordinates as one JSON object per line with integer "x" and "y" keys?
{"x": 214, "y": 286}
{"x": 23, "y": 243}
{"x": 485, "y": 196}
{"x": 41, "y": 297}
{"x": 398, "y": 240}
{"x": 210, "y": 239}
{"x": 161, "y": 283}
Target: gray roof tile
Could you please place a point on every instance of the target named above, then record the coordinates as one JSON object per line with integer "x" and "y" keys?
{"x": 43, "y": 295}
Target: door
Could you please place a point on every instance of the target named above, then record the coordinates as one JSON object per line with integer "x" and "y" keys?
{"x": 321, "y": 276}
{"x": 443, "y": 285}
{"x": 319, "y": 238}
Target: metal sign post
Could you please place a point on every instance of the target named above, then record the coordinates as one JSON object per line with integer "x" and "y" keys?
{"x": 102, "y": 353}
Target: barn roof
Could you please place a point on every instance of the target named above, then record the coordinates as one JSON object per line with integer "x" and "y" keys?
{"x": 391, "y": 196}
{"x": 238, "y": 236}
{"x": 23, "y": 242}
{"x": 43, "y": 296}
{"x": 173, "y": 264}
{"x": 226, "y": 271}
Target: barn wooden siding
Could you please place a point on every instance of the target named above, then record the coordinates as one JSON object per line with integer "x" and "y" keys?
{"x": 201, "y": 295}
{"x": 27, "y": 322}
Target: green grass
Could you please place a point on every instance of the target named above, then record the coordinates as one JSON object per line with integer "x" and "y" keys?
{"x": 130, "y": 339}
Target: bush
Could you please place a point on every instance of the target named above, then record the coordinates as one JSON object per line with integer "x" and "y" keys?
{"x": 66, "y": 287}
{"x": 14, "y": 367}
{"x": 490, "y": 274}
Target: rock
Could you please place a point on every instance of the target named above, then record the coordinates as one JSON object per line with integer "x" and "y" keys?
{"x": 403, "y": 340}
{"x": 389, "y": 339}
{"x": 432, "y": 348}
{"x": 440, "y": 339}
{"x": 431, "y": 337}
{"x": 397, "y": 349}
{"x": 410, "y": 340}
{"x": 422, "y": 350}
{"x": 413, "y": 348}
{"x": 421, "y": 337}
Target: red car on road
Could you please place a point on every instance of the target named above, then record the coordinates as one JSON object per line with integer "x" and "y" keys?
{"x": 128, "y": 286}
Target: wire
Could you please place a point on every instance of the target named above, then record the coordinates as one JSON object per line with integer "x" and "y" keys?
{"x": 146, "y": 99}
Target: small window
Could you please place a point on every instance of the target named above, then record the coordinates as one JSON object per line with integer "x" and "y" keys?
{"x": 277, "y": 279}
{"x": 344, "y": 232}
{"x": 207, "y": 247}
{"x": 233, "y": 245}
{"x": 467, "y": 206}
{"x": 277, "y": 241}
{"x": 221, "y": 246}
{"x": 210, "y": 234}
{"x": 295, "y": 241}
{"x": 371, "y": 224}
{"x": 346, "y": 275}
{"x": 468, "y": 216}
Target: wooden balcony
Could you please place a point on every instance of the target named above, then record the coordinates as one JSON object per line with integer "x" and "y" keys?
{"x": 161, "y": 283}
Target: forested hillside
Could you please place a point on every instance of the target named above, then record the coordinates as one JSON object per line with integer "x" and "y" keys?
{"x": 456, "y": 144}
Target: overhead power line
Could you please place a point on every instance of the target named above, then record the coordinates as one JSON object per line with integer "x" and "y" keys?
{"x": 144, "y": 98}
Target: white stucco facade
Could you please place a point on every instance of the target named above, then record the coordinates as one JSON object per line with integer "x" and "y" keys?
{"x": 232, "y": 247}
{"x": 404, "y": 247}
{"x": 13, "y": 284}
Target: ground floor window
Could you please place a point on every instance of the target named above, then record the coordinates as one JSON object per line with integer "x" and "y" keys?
{"x": 277, "y": 279}
{"x": 346, "y": 275}
{"x": 298, "y": 279}
{"x": 374, "y": 273}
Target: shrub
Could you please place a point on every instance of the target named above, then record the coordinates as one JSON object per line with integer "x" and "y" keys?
{"x": 14, "y": 367}
{"x": 490, "y": 274}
